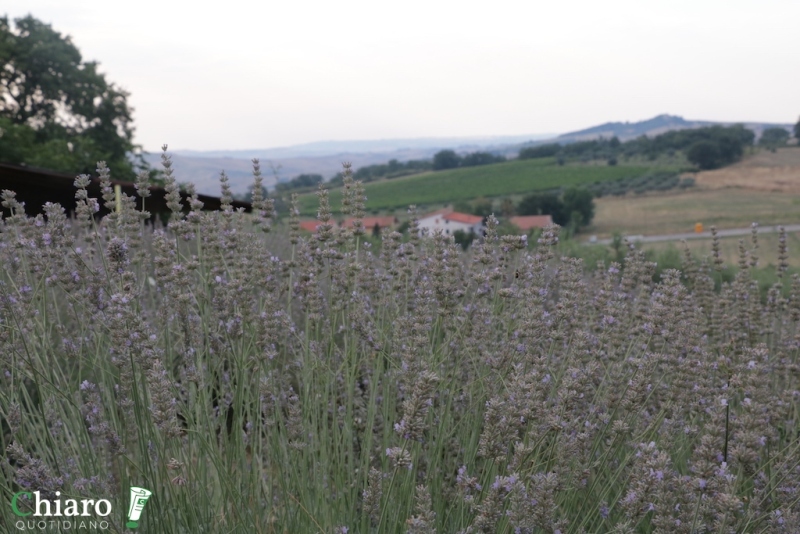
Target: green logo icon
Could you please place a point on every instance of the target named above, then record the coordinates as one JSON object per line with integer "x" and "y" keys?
{"x": 139, "y": 498}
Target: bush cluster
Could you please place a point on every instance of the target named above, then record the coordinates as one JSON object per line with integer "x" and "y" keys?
{"x": 597, "y": 149}
{"x": 265, "y": 382}
{"x": 301, "y": 181}
{"x": 444, "y": 159}
{"x": 773, "y": 138}
{"x": 574, "y": 207}
{"x": 449, "y": 159}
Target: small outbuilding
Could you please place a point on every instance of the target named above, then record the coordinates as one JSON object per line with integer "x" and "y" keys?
{"x": 449, "y": 222}
{"x": 35, "y": 187}
{"x": 527, "y": 223}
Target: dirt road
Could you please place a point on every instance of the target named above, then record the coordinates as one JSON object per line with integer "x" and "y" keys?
{"x": 702, "y": 235}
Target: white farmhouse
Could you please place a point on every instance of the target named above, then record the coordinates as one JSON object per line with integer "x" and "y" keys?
{"x": 449, "y": 221}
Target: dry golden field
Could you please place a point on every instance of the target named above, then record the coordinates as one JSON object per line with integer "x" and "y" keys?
{"x": 668, "y": 213}
{"x": 764, "y": 171}
{"x": 764, "y": 188}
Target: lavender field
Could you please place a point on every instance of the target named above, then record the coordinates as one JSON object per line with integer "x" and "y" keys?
{"x": 260, "y": 381}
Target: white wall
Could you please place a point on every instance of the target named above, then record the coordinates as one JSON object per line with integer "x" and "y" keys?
{"x": 438, "y": 222}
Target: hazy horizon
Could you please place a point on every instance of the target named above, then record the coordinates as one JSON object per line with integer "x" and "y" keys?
{"x": 282, "y": 75}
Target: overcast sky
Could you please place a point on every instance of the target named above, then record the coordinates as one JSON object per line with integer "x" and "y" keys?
{"x": 240, "y": 75}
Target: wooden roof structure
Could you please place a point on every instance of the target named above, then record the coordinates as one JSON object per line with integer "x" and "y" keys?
{"x": 34, "y": 187}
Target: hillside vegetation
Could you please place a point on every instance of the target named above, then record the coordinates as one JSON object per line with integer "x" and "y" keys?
{"x": 555, "y": 166}
{"x": 761, "y": 188}
{"x": 707, "y": 148}
{"x": 511, "y": 177}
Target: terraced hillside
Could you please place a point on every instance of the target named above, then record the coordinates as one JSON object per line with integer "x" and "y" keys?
{"x": 512, "y": 177}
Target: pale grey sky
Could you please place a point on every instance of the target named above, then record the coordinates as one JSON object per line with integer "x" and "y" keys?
{"x": 237, "y": 75}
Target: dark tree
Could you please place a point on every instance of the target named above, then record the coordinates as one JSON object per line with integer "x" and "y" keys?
{"x": 704, "y": 154}
{"x": 773, "y": 138}
{"x": 579, "y": 204}
{"x": 445, "y": 159}
{"x": 300, "y": 181}
{"x": 482, "y": 207}
{"x": 543, "y": 204}
{"x": 58, "y": 111}
{"x": 463, "y": 238}
{"x": 541, "y": 151}
{"x": 507, "y": 207}
{"x": 462, "y": 206}
{"x": 307, "y": 180}
{"x": 481, "y": 158}
{"x": 797, "y": 130}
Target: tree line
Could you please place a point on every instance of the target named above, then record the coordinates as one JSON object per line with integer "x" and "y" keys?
{"x": 449, "y": 159}
{"x": 392, "y": 169}
{"x": 709, "y": 147}
{"x": 444, "y": 159}
{"x": 572, "y": 208}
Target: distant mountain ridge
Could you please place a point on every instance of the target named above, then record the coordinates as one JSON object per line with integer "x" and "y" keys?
{"x": 631, "y": 130}
{"x": 374, "y": 146}
{"x": 204, "y": 171}
{"x": 202, "y": 167}
{"x": 652, "y": 127}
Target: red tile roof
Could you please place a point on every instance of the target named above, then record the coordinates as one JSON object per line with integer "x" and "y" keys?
{"x": 443, "y": 211}
{"x": 526, "y": 222}
{"x": 463, "y": 218}
{"x": 309, "y": 226}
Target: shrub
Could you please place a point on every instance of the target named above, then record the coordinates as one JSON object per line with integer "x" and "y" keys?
{"x": 267, "y": 382}
{"x": 446, "y": 159}
{"x": 541, "y": 151}
{"x": 774, "y": 137}
{"x": 464, "y": 239}
{"x": 481, "y": 158}
{"x": 705, "y": 154}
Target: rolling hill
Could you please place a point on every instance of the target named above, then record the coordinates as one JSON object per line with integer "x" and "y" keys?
{"x": 652, "y": 127}
{"x": 325, "y": 157}
{"x": 511, "y": 177}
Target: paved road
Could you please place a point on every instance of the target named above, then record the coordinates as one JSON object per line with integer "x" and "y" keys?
{"x": 702, "y": 235}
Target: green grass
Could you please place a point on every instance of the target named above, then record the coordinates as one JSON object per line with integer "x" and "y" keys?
{"x": 512, "y": 177}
